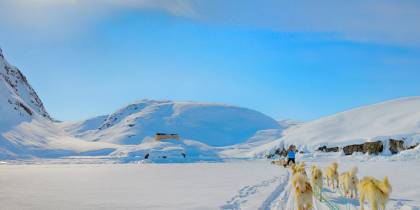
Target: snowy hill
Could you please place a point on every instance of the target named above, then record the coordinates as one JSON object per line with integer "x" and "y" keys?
{"x": 209, "y": 123}
{"x": 391, "y": 119}
{"x": 26, "y": 128}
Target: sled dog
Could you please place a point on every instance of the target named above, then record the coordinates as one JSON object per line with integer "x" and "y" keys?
{"x": 375, "y": 191}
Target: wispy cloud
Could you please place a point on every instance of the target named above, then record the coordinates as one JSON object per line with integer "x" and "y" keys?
{"x": 378, "y": 21}
{"x": 374, "y": 21}
{"x": 65, "y": 17}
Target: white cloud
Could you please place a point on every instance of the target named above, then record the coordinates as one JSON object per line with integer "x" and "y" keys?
{"x": 373, "y": 21}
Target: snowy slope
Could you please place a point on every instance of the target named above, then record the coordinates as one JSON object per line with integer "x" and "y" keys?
{"x": 288, "y": 123}
{"x": 391, "y": 119}
{"x": 212, "y": 124}
{"x": 79, "y": 127}
{"x": 18, "y": 101}
{"x": 26, "y": 128}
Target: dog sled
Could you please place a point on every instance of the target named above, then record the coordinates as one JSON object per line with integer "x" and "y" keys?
{"x": 283, "y": 162}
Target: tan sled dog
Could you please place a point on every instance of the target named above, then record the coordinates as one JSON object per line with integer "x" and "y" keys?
{"x": 375, "y": 191}
{"x": 303, "y": 192}
{"x": 280, "y": 162}
{"x": 332, "y": 175}
{"x": 316, "y": 180}
{"x": 348, "y": 182}
{"x": 299, "y": 169}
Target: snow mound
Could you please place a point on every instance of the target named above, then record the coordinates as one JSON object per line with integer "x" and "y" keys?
{"x": 391, "y": 119}
{"x": 209, "y": 123}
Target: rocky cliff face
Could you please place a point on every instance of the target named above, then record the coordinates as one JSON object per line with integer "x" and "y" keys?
{"x": 17, "y": 93}
{"x": 26, "y": 128}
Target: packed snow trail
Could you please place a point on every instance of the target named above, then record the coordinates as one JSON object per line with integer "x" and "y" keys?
{"x": 282, "y": 197}
{"x": 331, "y": 200}
{"x": 277, "y": 192}
{"x": 248, "y": 196}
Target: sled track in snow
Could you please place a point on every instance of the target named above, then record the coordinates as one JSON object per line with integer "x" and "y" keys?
{"x": 282, "y": 197}
{"x": 276, "y": 193}
{"x": 246, "y": 193}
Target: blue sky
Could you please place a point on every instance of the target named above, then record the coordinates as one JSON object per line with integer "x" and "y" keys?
{"x": 86, "y": 61}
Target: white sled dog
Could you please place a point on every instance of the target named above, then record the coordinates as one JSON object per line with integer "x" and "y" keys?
{"x": 375, "y": 191}
{"x": 303, "y": 192}
{"x": 331, "y": 174}
{"x": 348, "y": 182}
{"x": 316, "y": 180}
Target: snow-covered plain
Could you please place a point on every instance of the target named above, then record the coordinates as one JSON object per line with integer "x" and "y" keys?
{"x": 229, "y": 185}
{"x": 128, "y": 186}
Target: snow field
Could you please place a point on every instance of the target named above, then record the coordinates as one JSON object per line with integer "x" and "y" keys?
{"x": 228, "y": 185}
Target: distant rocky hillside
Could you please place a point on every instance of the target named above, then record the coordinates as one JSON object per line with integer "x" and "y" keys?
{"x": 397, "y": 119}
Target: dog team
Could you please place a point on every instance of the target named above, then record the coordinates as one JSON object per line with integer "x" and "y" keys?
{"x": 374, "y": 191}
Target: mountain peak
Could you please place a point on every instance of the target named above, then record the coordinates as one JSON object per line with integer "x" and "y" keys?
{"x": 151, "y": 101}
{"x": 17, "y": 92}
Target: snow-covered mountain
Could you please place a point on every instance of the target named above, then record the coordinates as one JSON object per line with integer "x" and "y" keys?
{"x": 209, "y": 123}
{"x": 18, "y": 99}
{"x": 396, "y": 119}
{"x": 26, "y": 128}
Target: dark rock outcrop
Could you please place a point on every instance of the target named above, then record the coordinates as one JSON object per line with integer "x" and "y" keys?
{"x": 368, "y": 147}
{"x": 349, "y": 150}
{"x": 281, "y": 152}
{"x": 328, "y": 149}
{"x": 278, "y": 152}
{"x": 413, "y": 146}
{"x": 396, "y": 146}
{"x": 373, "y": 147}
